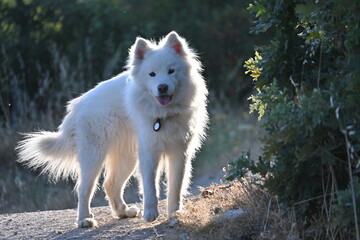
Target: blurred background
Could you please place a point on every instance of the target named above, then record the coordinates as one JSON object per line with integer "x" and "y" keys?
{"x": 53, "y": 50}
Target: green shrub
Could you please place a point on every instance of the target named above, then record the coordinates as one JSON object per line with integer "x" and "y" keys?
{"x": 308, "y": 83}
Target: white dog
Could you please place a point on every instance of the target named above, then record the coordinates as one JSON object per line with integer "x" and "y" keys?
{"x": 155, "y": 112}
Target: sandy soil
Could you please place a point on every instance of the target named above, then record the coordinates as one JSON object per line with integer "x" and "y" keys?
{"x": 61, "y": 225}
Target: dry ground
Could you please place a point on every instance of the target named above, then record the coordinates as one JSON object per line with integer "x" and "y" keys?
{"x": 205, "y": 216}
{"x": 61, "y": 225}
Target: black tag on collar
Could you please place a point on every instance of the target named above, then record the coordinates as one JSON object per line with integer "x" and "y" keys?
{"x": 157, "y": 125}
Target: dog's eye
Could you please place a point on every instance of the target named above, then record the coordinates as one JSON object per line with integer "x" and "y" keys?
{"x": 171, "y": 71}
{"x": 152, "y": 74}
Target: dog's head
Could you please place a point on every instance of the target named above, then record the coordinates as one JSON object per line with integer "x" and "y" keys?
{"x": 161, "y": 68}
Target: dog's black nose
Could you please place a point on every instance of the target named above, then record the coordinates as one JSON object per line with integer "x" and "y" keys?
{"x": 162, "y": 88}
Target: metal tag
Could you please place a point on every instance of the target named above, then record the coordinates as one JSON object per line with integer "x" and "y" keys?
{"x": 157, "y": 125}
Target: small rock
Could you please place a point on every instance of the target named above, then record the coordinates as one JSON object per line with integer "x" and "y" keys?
{"x": 233, "y": 213}
{"x": 173, "y": 223}
{"x": 217, "y": 210}
{"x": 207, "y": 192}
{"x": 184, "y": 236}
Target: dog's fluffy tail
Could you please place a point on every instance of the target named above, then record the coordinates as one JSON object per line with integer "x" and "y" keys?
{"x": 53, "y": 152}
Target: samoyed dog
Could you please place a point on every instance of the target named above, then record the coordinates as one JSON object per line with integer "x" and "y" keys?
{"x": 153, "y": 115}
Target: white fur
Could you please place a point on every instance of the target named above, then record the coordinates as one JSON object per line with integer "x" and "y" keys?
{"x": 111, "y": 127}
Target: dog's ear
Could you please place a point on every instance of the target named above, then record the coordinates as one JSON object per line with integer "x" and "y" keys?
{"x": 138, "y": 51}
{"x": 176, "y": 42}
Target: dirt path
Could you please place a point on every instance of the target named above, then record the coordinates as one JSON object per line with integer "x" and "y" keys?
{"x": 61, "y": 225}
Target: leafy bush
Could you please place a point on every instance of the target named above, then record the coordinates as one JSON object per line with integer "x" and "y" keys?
{"x": 308, "y": 83}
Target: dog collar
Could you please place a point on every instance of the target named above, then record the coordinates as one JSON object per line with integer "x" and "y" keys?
{"x": 157, "y": 125}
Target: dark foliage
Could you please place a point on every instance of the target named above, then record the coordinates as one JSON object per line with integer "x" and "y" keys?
{"x": 84, "y": 42}
{"x": 308, "y": 83}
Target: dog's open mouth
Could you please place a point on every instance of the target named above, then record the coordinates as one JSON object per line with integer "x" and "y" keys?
{"x": 164, "y": 99}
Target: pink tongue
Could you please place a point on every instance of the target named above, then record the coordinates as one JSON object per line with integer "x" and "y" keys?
{"x": 164, "y": 100}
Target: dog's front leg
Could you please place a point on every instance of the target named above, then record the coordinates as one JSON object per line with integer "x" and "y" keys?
{"x": 178, "y": 178}
{"x": 149, "y": 161}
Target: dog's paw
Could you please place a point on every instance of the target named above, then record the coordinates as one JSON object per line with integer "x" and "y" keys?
{"x": 87, "y": 223}
{"x": 150, "y": 214}
{"x": 126, "y": 212}
{"x": 174, "y": 215}
{"x": 132, "y": 211}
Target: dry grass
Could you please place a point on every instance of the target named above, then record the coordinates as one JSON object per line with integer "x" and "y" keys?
{"x": 263, "y": 218}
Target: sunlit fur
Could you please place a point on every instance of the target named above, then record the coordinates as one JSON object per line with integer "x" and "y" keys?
{"x": 110, "y": 127}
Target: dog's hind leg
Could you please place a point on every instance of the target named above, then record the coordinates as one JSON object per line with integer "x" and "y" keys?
{"x": 90, "y": 167}
{"x": 118, "y": 171}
